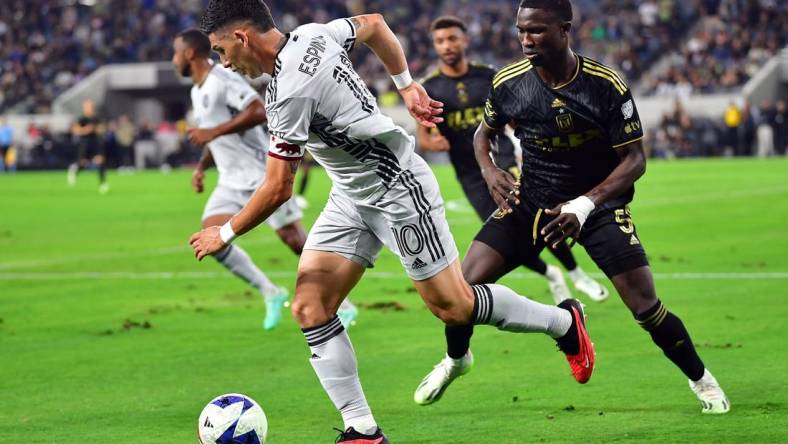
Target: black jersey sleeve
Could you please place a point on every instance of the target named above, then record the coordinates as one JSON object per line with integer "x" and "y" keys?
{"x": 494, "y": 115}
{"x": 623, "y": 121}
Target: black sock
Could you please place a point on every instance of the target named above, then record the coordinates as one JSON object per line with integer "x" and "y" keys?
{"x": 668, "y": 332}
{"x": 102, "y": 172}
{"x": 458, "y": 340}
{"x": 568, "y": 343}
{"x": 564, "y": 255}
{"x": 302, "y": 184}
{"x": 458, "y": 337}
{"x": 535, "y": 264}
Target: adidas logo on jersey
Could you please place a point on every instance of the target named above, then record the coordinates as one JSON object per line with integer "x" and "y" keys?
{"x": 558, "y": 103}
{"x": 418, "y": 264}
{"x": 634, "y": 240}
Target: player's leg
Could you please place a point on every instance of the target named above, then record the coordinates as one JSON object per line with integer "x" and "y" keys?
{"x": 100, "y": 160}
{"x": 411, "y": 222}
{"x": 337, "y": 251}
{"x": 582, "y": 281}
{"x": 485, "y": 207}
{"x": 611, "y": 240}
{"x": 221, "y": 206}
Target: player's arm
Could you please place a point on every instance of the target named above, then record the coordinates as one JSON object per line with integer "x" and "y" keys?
{"x": 373, "y": 31}
{"x": 198, "y": 176}
{"x": 251, "y": 116}
{"x": 78, "y": 129}
{"x": 503, "y": 187}
{"x": 431, "y": 140}
{"x": 274, "y": 191}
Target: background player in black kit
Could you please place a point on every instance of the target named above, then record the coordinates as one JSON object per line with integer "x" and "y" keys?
{"x": 462, "y": 86}
{"x": 87, "y": 131}
{"x": 582, "y": 152}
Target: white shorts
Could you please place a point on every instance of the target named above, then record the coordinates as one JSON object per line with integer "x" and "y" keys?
{"x": 226, "y": 200}
{"x": 409, "y": 220}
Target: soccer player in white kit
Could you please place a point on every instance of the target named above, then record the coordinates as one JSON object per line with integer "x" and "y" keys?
{"x": 228, "y": 114}
{"x": 383, "y": 193}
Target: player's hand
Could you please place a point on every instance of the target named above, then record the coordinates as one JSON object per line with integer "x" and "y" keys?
{"x": 564, "y": 226}
{"x": 206, "y": 242}
{"x": 421, "y": 106}
{"x": 440, "y": 144}
{"x": 198, "y": 178}
{"x": 503, "y": 187}
{"x": 200, "y": 136}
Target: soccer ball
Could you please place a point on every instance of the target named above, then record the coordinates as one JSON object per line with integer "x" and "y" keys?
{"x": 232, "y": 419}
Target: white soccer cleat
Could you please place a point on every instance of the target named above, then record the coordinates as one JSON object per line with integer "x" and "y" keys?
{"x": 710, "y": 394}
{"x": 104, "y": 188}
{"x": 557, "y": 284}
{"x": 435, "y": 383}
{"x": 588, "y": 286}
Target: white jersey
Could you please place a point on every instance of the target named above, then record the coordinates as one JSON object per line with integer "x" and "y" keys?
{"x": 316, "y": 101}
{"x": 239, "y": 157}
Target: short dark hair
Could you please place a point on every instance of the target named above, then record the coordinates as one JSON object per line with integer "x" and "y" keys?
{"x": 196, "y": 40}
{"x": 224, "y": 12}
{"x": 561, "y": 8}
{"x": 447, "y": 21}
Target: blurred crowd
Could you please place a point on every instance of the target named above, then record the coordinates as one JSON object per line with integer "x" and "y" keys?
{"x": 731, "y": 42}
{"x": 47, "y": 46}
{"x": 743, "y": 130}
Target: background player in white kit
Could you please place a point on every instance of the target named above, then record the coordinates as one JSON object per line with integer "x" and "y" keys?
{"x": 228, "y": 114}
{"x": 383, "y": 194}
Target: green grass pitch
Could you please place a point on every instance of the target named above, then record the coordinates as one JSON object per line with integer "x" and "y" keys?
{"x": 111, "y": 332}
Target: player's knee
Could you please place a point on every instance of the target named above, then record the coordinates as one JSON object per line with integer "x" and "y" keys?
{"x": 308, "y": 312}
{"x": 452, "y": 314}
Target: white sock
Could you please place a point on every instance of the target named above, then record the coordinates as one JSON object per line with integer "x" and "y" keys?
{"x": 346, "y": 305}
{"x": 577, "y": 274}
{"x": 334, "y": 362}
{"x": 499, "y": 306}
{"x": 235, "y": 259}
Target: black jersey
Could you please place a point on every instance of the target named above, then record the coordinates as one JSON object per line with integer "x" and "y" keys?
{"x": 463, "y": 110}
{"x": 568, "y": 134}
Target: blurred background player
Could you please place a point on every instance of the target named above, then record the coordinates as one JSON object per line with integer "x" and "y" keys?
{"x": 462, "y": 87}
{"x": 87, "y": 131}
{"x": 228, "y": 115}
{"x": 6, "y": 150}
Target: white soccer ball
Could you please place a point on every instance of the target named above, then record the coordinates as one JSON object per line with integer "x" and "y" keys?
{"x": 232, "y": 419}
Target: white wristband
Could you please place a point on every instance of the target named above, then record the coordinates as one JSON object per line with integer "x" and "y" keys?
{"x": 580, "y": 207}
{"x": 403, "y": 79}
{"x": 226, "y": 233}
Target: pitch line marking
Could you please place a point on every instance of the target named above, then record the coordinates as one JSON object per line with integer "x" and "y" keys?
{"x": 383, "y": 275}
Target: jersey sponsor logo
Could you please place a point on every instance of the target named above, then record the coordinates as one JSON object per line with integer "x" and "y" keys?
{"x": 567, "y": 141}
{"x": 628, "y": 109}
{"x": 288, "y": 148}
{"x": 465, "y": 118}
{"x": 313, "y": 56}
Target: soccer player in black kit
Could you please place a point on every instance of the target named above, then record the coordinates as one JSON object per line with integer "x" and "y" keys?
{"x": 582, "y": 153}
{"x": 462, "y": 87}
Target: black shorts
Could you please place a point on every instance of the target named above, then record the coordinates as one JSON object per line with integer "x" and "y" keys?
{"x": 609, "y": 237}
{"x": 479, "y": 197}
{"x": 88, "y": 149}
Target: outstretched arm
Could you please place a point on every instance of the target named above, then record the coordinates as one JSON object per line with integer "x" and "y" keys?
{"x": 251, "y": 116}
{"x": 572, "y": 215}
{"x": 275, "y": 191}
{"x": 372, "y": 30}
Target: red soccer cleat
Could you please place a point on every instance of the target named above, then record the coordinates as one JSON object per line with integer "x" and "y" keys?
{"x": 576, "y": 344}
